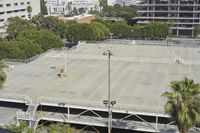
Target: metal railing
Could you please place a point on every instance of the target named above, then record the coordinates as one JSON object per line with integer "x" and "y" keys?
{"x": 11, "y": 96}
{"x": 95, "y": 104}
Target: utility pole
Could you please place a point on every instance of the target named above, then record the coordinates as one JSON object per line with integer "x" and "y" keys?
{"x": 109, "y": 108}
{"x": 108, "y": 102}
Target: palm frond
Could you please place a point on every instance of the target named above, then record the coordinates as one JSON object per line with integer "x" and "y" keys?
{"x": 183, "y": 103}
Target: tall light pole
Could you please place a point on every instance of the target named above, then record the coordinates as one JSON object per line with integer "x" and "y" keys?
{"x": 65, "y": 52}
{"x": 108, "y": 102}
{"x": 65, "y": 57}
{"x": 109, "y": 108}
{"x": 111, "y": 34}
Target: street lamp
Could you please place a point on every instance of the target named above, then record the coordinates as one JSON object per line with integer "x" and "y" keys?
{"x": 111, "y": 36}
{"x": 65, "y": 57}
{"x": 108, "y": 102}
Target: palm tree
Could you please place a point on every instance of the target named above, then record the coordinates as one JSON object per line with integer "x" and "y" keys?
{"x": 2, "y": 74}
{"x": 183, "y": 104}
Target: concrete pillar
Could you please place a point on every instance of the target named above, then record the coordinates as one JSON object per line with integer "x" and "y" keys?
{"x": 177, "y": 33}
{"x": 154, "y": 9}
{"x": 68, "y": 113}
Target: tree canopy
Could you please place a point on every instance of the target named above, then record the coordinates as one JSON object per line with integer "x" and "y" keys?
{"x": 2, "y": 74}
{"x": 60, "y": 128}
{"x": 196, "y": 31}
{"x": 183, "y": 104}
{"x": 51, "y": 23}
{"x": 29, "y": 38}
{"x": 120, "y": 29}
{"x": 126, "y": 13}
{"x": 16, "y": 26}
{"x": 45, "y": 38}
{"x": 23, "y": 127}
{"x": 43, "y": 7}
{"x": 29, "y": 43}
{"x": 93, "y": 31}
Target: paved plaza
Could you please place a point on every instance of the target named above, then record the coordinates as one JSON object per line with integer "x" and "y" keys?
{"x": 139, "y": 74}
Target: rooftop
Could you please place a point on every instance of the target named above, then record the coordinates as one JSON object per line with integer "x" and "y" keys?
{"x": 139, "y": 74}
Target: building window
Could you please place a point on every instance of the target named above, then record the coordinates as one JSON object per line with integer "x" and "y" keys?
{"x": 23, "y": 16}
{"x": 29, "y": 16}
{"x": 8, "y": 19}
{"x": 22, "y": 3}
{"x": 1, "y": 20}
{"x": 9, "y": 12}
{"x": 2, "y": 13}
{"x": 7, "y": 4}
{"x": 28, "y": 3}
{"x": 15, "y": 4}
{"x": 1, "y": 5}
{"x": 16, "y": 10}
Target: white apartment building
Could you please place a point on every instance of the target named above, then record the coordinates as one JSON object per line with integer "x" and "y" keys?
{"x": 57, "y": 7}
{"x": 13, "y": 8}
{"x": 111, "y": 2}
{"x": 123, "y": 2}
{"x": 87, "y": 4}
{"x": 127, "y": 2}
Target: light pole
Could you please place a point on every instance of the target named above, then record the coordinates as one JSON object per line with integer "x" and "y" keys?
{"x": 108, "y": 102}
{"x": 65, "y": 51}
{"x": 111, "y": 34}
{"x": 65, "y": 57}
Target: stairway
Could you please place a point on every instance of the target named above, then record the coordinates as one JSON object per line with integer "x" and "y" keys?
{"x": 30, "y": 114}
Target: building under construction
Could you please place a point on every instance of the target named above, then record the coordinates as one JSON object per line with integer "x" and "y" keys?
{"x": 182, "y": 14}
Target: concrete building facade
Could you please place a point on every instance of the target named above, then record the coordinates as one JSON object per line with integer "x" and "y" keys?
{"x": 87, "y": 4}
{"x": 111, "y": 2}
{"x": 127, "y": 2}
{"x": 184, "y": 15}
{"x": 66, "y": 6}
{"x": 13, "y": 8}
{"x": 58, "y": 6}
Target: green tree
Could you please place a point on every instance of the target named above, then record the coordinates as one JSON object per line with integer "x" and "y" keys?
{"x": 76, "y": 31}
{"x": 23, "y": 127}
{"x": 101, "y": 30}
{"x": 51, "y": 23}
{"x": 126, "y": 13}
{"x": 45, "y": 38}
{"x": 55, "y": 25}
{"x": 137, "y": 31}
{"x": 95, "y": 31}
{"x": 38, "y": 21}
{"x": 157, "y": 30}
{"x": 60, "y": 128}
{"x": 183, "y": 104}
{"x": 17, "y": 26}
{"x": 196, "y": 31}
{"x": 2, "y": 74}
{"x": 43, "y": 7}
{"x": 120, "y": 29}
{"x": 10, "y": 51}
{"x": 30, "y": 48}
